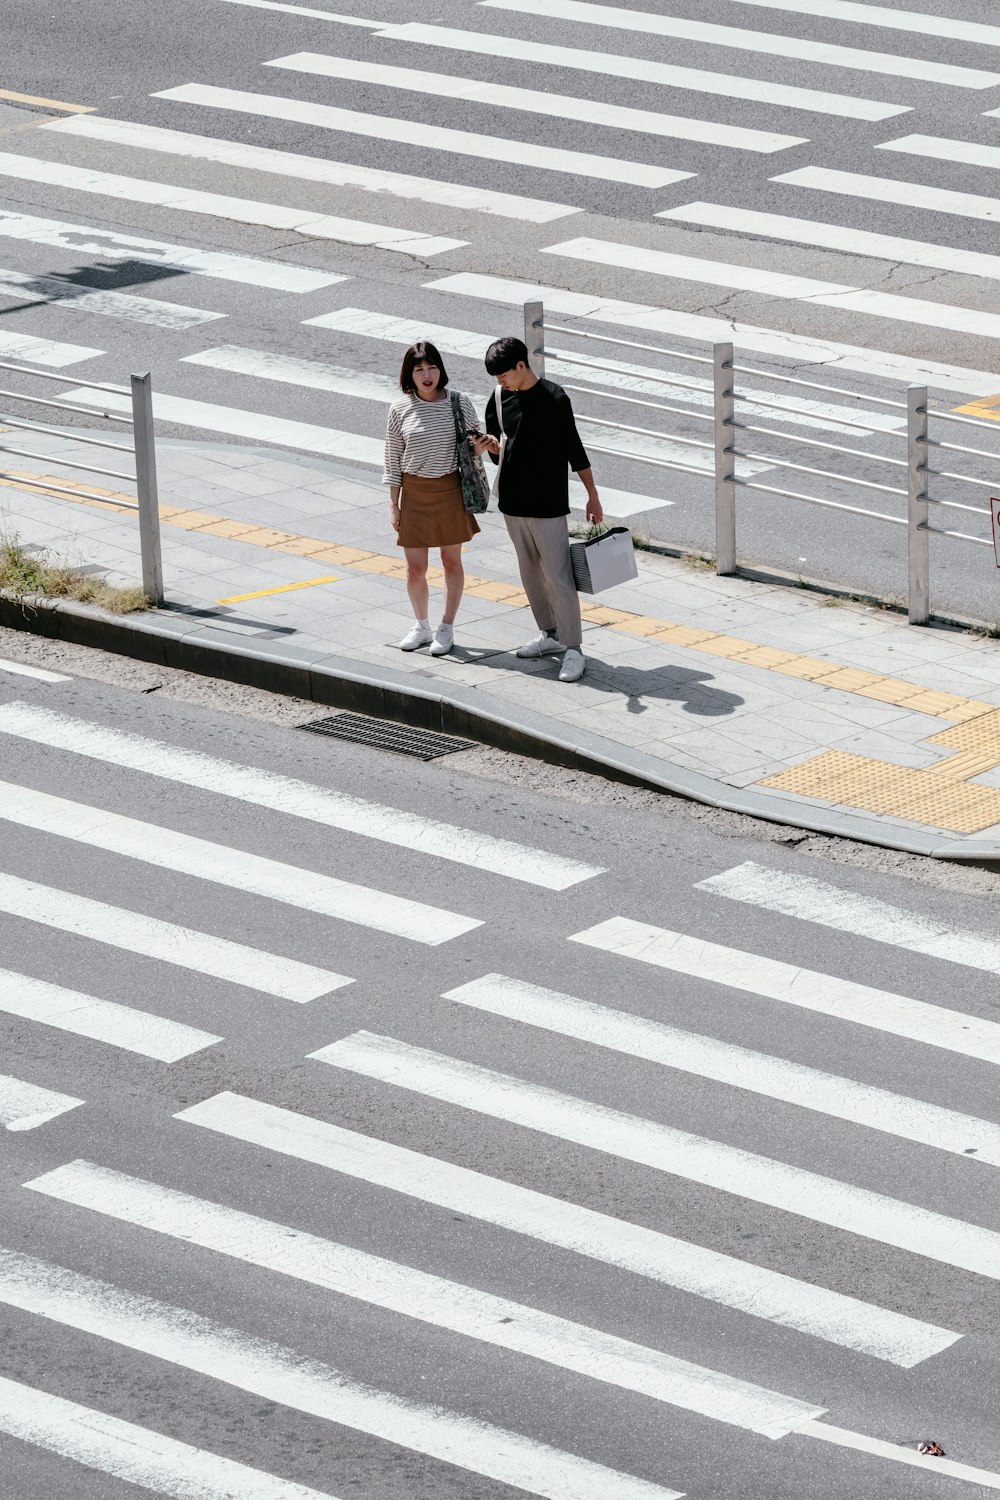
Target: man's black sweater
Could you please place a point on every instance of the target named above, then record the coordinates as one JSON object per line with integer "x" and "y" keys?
{"x": 542, "y": 446}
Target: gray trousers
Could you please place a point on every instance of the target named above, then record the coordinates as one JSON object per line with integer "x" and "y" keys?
{"x": 542, "y": 547}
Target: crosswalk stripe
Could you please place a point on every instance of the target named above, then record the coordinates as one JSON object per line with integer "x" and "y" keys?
{"x": 305, "y": 10}
{"x": 134, "y": 932}
{"x": 914, "y": 1020}
{"x": 306, "y": 1385}
{"x": 538, "y": 102}
{"x": 25, "y": 1106}
{"x": 289, "y": 795}
{"x": 937, "y": 148}
{"x": 319, "y": 169}
{"x": 837, "y": 237}
{"x": 429, "y": 137}
{"x": 220, "y": 206}
{"x": 431, "y": 1299}
{"x": 243, "y": 269}
{"x": 236, "y": 869}
{"x": 647, "y": 70}
{"x": 824, "y": 415}
{"x": 780, "y": 284}
{"x": 46, "y": 352}
{"x": 40, "y": 674}
{"x": 914, "y": 22}
{"x": 769, "y": 43}
{"x": 137, "y": 1455}
{"x": 691, "y": 1268}
{"x": 261, "y": 426}
{"x": 652, "y": 319}
{"x": 893, "y": 190}
{"x": 740, "y": 1067}
{"x": 125, "y": 306}
{"x": 811, "y": 900}
{"x": 714, "y": 1164}
{"x": 101, "y": 1020}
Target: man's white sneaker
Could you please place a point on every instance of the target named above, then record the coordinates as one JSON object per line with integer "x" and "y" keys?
{"x": 542, "y": 645}
{"x": 419, "y": 635}
{"x": 573, "y": 667}
{"x": 444, "y": 639}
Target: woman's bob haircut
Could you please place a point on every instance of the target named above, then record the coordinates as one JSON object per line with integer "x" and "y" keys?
{"x": 421, "y": 353}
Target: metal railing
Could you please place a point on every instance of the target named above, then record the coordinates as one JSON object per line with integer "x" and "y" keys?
{"x": 905, "y": 475}
{"x": 141, "y": 449}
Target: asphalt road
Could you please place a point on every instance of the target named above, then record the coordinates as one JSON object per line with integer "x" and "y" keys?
{"x": 115, "y": 59}
{"x": 230, "y": 1353}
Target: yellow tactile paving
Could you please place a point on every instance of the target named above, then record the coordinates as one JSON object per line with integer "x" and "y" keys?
{"x": 920, "y": 796}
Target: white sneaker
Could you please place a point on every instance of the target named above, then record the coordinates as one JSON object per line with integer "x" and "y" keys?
{"x": 444, "y": 639}
{"x": 419, "y": 635}
{"x": 573, "y": 667}
{"x": 542, "y": 645}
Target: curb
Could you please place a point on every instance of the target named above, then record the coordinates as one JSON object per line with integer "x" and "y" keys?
{"x": 176, "y": 641}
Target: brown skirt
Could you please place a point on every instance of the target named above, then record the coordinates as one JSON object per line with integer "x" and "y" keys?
{"x": 432, "y": 513}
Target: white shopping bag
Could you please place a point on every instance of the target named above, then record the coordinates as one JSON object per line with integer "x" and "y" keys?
{"x": 603, "y": 560}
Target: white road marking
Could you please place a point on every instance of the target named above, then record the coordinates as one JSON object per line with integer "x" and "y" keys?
{"x": 691, "y": 1268}
{"x": 916, "y": 1020}
{"x": 235, "y": 869}
{"x": 305, "y": 10}
{"x": 896, "y": 1453}
{"x": 101, "y": 1020}
{"x": 936, "y": 148}
{"x": 893, "y": 190}
{"x": 173, "y": 316}
{"x": 317, "y": 375}
{"x": 275, "y": 1373}
{"x": 768, "y": 43}
{"x": 299, "y": 799}
{"x": 243, "y": 269}
{"x": 429, "y": 137}
{"x": 782, "y": 285}
{"x": 811, "y": 900}
{"x": 46, "y": 352}
{"x": 205, "y": 416}
{"x": 313, "y": 168}
{"x": 538, "y": 102}
{"x": 135, "y": 933}
{"x": 824, "y": 415}
{"x": 725, "y": 1168}
{"x": 913, "y": 22}
{"x": 21, "y": 669}
{"x": 837, "y": 237}
{"x": 219, "y": 206}
{"x": 647, "y": 70}
{"x": 25, "y": 1106}
{"x": 758, "y": 1072}
{"x": 402, "y": 1289}
{"x": 652, "y": 319}
{"x": 134, "y": 1454}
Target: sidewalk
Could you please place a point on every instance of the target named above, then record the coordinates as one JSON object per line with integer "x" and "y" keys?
{"x": 774, "y": 701}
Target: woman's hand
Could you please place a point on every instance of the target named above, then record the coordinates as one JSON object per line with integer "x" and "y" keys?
{"x": 394, "y": 516}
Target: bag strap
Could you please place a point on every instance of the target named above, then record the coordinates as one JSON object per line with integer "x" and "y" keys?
{"x": 498, "y": 398}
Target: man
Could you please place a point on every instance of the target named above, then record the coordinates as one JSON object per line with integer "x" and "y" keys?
{"x": 542, "y": 445}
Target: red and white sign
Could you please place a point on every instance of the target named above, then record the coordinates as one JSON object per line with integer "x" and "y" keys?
{"x": 995, "y": 514}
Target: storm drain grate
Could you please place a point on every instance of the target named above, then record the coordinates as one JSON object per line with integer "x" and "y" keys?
{"x": 422, "y": 744}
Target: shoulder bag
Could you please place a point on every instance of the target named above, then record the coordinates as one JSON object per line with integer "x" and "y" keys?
{"x": 475, "y": 485}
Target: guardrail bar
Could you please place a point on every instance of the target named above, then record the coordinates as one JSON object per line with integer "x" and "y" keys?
{"x": 61, "y": 489}
{"x": 854, "y": 510}
{"x": 91, "y": 385}
{"x": 606, "y": 338}
{"x": 813, "y": 385}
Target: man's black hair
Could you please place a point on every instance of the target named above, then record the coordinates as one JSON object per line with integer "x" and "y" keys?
{"x": 506, "y": 354}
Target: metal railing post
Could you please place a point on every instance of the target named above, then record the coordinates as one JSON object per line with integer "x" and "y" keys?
{"x": 918, "y": 592}
{"x": 534, "y": 336}
{"x": 149, "y": 500}
{"x": 725, "y": 464}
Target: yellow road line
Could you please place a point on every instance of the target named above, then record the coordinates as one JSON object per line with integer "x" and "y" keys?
{"x": 987, "y": 408}
{"x": 284, "y": 588}
{"x": 70, "y": 109}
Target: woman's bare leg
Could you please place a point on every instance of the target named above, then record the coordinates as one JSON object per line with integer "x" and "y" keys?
{"x": 416, "y": 580}
{"x": 454, "y": 582}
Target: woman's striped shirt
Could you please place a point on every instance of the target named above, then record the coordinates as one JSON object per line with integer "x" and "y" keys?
{"x": 420, "y": 438}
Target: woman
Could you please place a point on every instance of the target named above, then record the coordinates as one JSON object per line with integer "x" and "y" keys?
{"x": 421, "y": 460}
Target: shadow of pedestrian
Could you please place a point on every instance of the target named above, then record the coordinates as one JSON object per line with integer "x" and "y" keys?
{"x": 669, "y": 684}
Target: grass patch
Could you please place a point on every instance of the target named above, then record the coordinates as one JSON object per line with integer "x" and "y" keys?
{"x": 25, "y": 575}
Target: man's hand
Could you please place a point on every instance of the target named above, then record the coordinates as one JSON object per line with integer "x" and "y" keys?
{"x": 485, "y": 444}
{"x": 595, "y": 510}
